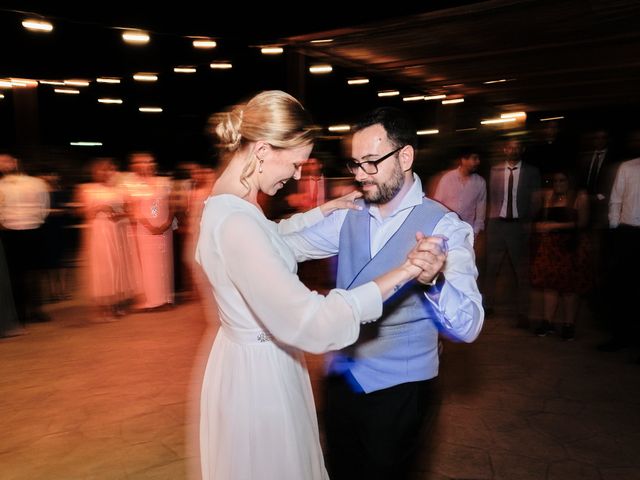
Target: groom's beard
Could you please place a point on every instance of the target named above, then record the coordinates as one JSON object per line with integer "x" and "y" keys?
{"x": 386, "y": 191}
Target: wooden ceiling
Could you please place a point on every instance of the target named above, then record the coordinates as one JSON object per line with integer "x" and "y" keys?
{"x": 554, "y": 55}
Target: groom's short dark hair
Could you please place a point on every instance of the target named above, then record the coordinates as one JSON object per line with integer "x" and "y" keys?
{"x": 400, "y": 128}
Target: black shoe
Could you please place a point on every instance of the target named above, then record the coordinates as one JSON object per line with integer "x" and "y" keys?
{"x": 544, "y": 328}
{"x": 568, "y": 331}
{"x": 14, "y": 332}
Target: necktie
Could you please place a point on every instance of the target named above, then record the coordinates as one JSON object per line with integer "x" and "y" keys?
{"x": 593, "y": 172}
{"x": 510, "y": 193}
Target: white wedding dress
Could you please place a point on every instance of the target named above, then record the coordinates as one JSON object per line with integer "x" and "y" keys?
{"x": 258, "y": 419}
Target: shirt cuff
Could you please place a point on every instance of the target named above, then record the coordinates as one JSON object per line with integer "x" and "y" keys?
{"x": 365, "y": 300}
{"x": 434, "y": 290}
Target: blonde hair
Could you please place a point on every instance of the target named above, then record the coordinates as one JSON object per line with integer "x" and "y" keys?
{"x": 272, "y": 116}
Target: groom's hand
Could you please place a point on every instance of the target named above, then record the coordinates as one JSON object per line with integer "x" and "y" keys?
{"x": 429, "y": 255}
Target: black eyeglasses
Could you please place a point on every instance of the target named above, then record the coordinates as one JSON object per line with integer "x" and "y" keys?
{"x": 370, "y": 167}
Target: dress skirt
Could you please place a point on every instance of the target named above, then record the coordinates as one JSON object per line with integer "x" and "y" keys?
{"x": 269, "y": 431}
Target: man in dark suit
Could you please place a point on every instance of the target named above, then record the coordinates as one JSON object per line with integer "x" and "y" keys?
{"x": 514, "y": 192}
{"x": 596, "y": 173}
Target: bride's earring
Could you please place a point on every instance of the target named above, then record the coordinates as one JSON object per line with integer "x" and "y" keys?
{"x": 260, "y": 166}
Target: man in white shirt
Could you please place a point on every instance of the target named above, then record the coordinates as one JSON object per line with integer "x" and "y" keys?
{"x": 620, "y": 288}
{"x": 624, "y": 202}
{"x": 24, "y": 206}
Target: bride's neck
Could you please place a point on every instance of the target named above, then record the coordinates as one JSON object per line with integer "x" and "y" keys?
{"x": 229, "y": 183}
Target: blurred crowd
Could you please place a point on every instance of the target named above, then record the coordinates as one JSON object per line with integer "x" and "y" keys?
{"x": 561, "y": 217}
{"x": 124, "y": 240}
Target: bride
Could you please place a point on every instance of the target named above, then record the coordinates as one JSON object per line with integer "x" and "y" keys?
{"x": 258, "y": 418}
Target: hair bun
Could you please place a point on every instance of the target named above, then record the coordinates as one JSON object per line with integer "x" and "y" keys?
{"x": 226, "y": 126}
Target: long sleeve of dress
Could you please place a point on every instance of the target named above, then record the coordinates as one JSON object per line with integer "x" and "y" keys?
{"x": 299, "y": 221}
{"x": 320, "y": 241}
{"x": 291, "y": 312}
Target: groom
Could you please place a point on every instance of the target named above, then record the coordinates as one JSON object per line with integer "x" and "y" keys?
{"x": 380, "y": 390}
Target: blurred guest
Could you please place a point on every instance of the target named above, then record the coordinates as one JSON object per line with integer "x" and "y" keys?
{"x": 549, "y": 152}
{"x": 624, "y": 219}
{"x": 149, "y": 196}
{"x": 596, "y": 170}
{"x": 24, "y": 206}
{"x": 311, "y": 187}
{"x": 182, "y": 186}
{"x": 113, "y": 272}
{"x": 464, "y": 191}
{"x": 560, "y": 263}
{"x": 204, "y": 177}
{"x": 514, "y": 189}
{"x": 9, "y": 324}
{"x": 58, "y": 244}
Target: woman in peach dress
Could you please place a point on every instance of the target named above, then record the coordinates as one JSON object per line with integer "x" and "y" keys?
{"x": 149, "y": 196}
{"x": 111, "y": 259}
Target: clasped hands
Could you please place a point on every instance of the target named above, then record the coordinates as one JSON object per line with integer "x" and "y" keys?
{"x": 427, "y": 258}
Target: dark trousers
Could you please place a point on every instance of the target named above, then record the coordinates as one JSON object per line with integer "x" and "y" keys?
{"x": 8, "y": 315}
{"x": 508, "y": 239}
{"x": 377, "y": 435}
{"x": 622, "y": 293}
{"x": 23, "y": 251}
